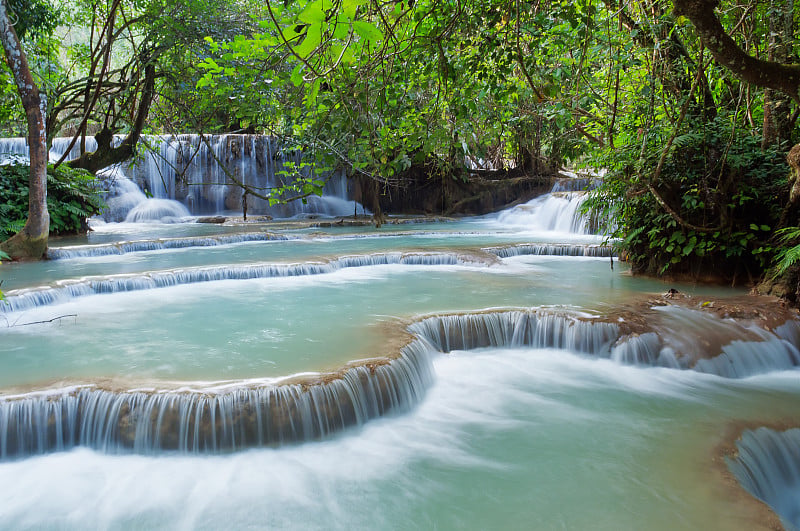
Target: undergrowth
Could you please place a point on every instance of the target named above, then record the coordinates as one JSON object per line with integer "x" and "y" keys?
{"x": 72, "y": 198}
{"x": 713, "y": 210}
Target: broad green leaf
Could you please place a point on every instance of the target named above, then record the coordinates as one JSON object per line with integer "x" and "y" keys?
{"x": 311, "y": 41}
{"x": 367, "y": 31}
{"x": 314, "y": 12}
{"x": 341, "y": 30}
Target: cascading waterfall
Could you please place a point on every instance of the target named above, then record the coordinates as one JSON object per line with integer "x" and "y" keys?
{"x": 197, "y": 171}
{"x": 556, "y": 211}
{"x": 552, "y": 249}
{"x": 768, "y": 467}
{"x": 137, "y": 246}
{"x": 755, "y": 351}
{"x": 25, "y": 299}
{"x": 573, "y": 183}
{"x": 742, "y": 349}
{"x": 15, "y": 149}
{"x": 194, "y": 175}
{"x": 232, "y": 418}
{"x": 121, "y": 194}
{"x": 537, "y": 329}
{"x": 119, "y": 248}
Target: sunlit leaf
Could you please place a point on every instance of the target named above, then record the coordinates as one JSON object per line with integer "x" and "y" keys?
{"x": 315, "y": 12}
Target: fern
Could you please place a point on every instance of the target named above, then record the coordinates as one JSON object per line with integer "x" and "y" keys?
{"x": 787, "y": 256}
{"x": 72, "y": 198}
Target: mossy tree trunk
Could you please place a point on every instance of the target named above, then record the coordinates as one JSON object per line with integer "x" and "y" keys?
{"x": 31, "y": 242}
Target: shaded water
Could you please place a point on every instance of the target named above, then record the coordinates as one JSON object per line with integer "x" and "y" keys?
{"x": 153, "y": 407}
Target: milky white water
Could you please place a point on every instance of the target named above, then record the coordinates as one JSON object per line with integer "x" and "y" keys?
{"x": 504, "y": 438}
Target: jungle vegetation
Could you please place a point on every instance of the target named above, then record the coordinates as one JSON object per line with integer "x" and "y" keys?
{"x": 688, "y": 107}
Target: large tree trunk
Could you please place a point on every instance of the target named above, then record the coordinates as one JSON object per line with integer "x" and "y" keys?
{"x": 31, "y": 241}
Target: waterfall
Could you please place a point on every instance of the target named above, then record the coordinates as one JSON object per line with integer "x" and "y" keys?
{"x": 25, "y": 299}
{"x": 556, "y": 211}
{"x": 645, "y": 349}
{"x": 725, "y": 347}
{"x": 768, "y": 467}
{"x": 119, "y": 248}
{"x": 537, "y": 329}
{"x": 15, "y": 149}
{"x": 211, "y": 420}
{"x": 551, "y": 249}
{"x": 743, "y": 358}
{"x": 751, "y": 351}
{"x": 575, "y": 184}
{"x": 196, "y": 172}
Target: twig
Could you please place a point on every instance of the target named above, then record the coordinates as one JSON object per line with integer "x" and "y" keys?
{"x": 9, "y": 325}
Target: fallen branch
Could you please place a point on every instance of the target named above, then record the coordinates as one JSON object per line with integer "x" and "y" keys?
{"x": 17, "y": 323}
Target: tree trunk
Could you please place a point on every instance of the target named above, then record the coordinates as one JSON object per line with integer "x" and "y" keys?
{"x": 31, "y": 241}
{"x": 106, "y": 153}
{"x": 777, "y": 128}
{"x": 782, "y": 77}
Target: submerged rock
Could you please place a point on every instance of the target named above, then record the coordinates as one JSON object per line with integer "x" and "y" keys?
{"x": 212, "y": 219}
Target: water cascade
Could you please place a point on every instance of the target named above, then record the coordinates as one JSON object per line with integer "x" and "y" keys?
{"x": 160, "y": 244}
{"x": 768, "y": 467}
{"x": 199, "y": 173}
{"x": 552, "y": 249}
{"x": 538, "y": 329}
{"x": 230, "y": 418}
{"x": 556, "y": 211}
{"x": 24, "y": 299}
{"x": 751, "y": 351}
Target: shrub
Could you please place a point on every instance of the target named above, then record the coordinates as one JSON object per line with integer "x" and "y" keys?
{"x": 72, "y": 198}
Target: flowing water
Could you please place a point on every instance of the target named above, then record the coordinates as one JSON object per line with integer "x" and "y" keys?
{"x": 464, "y": 375}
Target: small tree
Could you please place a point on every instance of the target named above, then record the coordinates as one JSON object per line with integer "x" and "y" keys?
{"x": 31, "y": 241}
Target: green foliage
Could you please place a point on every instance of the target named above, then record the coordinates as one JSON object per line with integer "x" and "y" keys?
{"x": 726, "y": 194}
{"x": 300, "y": 181}
{"x": 789, "y": 251}
{"x": 72, "y": 197}
{"x": 385, "y": 87}
{"x": 33, "y": 18}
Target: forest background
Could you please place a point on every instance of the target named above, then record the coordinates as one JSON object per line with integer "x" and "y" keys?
{"x": 688, "y": 109}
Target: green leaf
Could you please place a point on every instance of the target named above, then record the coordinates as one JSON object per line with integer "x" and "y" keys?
{"x": 341, "y": 30}
{"x": 367, "y": 31}
{"x": 349, "y": 7}
{"x": 311, "y": 41}
{"x": 311, "y": 98}
{"x": 297, "y": 75}
{"x": 314, "y": 12}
